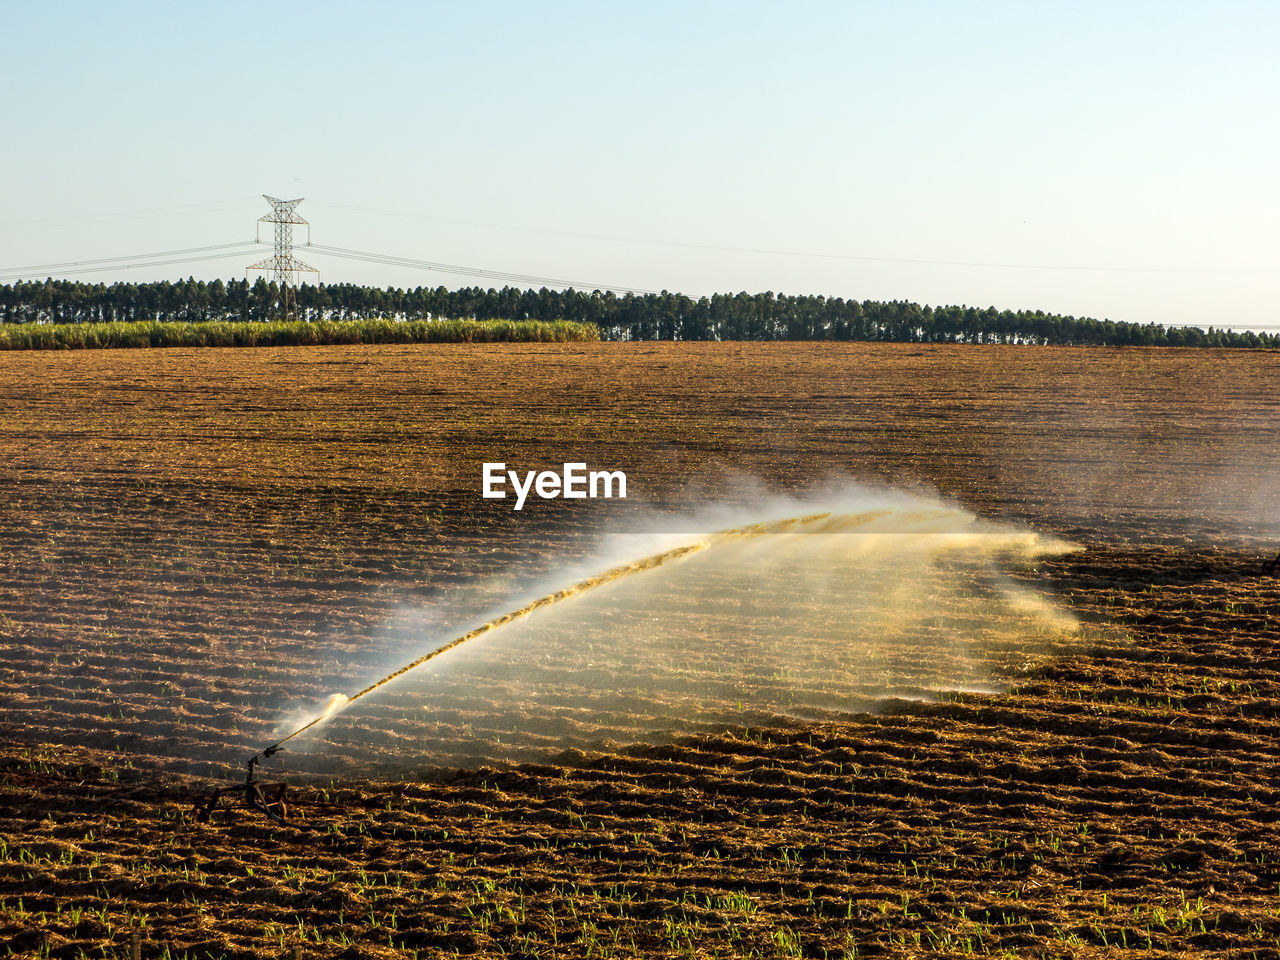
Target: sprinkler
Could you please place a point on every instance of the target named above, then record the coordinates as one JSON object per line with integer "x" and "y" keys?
{"x": 254, "y": 792}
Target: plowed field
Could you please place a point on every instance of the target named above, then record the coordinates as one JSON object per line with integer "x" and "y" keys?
{"x": 192, "y": 541}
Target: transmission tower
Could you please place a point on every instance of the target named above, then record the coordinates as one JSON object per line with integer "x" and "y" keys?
{"x": 284, "y": 266}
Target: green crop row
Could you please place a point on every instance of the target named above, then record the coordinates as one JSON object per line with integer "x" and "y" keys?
{"x": 216, "y": 333}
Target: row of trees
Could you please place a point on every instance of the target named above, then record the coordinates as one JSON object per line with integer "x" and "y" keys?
{"x": 659, "y": 316}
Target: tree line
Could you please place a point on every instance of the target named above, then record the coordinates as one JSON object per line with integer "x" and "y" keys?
{"x": 654, "y": 316}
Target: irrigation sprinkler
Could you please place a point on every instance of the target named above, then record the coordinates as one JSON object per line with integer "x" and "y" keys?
{"x": 254, "y": 793}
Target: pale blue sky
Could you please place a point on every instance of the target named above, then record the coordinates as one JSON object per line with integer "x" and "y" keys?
{"x": 1023, "y": 136}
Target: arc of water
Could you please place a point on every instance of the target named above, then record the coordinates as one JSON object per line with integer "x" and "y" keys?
{"x": 820, "y": 521}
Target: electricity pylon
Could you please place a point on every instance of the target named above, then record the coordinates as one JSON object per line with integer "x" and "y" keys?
{"x": 284, "y": 266}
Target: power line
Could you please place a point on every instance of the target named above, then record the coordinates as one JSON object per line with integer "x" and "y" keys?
{"x": 134, "y": 257}
{"x": 140, "y": 265}
{"x": 185, "y": 209}
{"x": 227, "y": 250}
{"x": 479, "y": 272}
{"x": 806, "y": 254}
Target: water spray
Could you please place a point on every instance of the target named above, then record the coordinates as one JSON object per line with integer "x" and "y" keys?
{"x": 862, "y": 522}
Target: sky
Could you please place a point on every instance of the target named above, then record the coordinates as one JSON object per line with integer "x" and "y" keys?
{"x": 1112, "y": 159}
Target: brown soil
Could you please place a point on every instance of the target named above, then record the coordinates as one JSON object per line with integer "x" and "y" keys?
{"x": 192, "y": 539}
